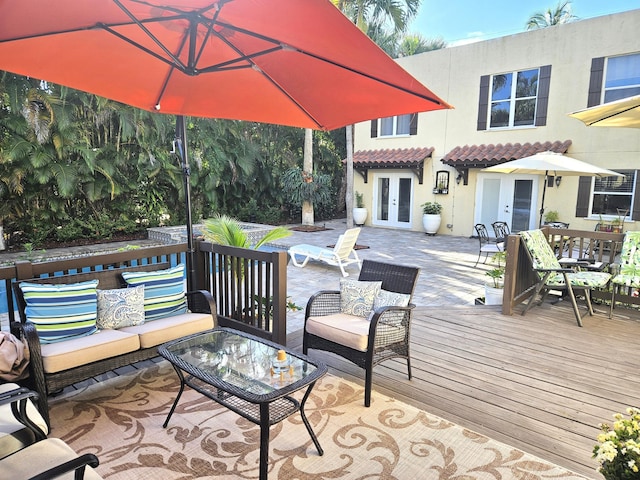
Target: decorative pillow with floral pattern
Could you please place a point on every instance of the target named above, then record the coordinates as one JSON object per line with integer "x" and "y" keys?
{"x": 356, "y": 297}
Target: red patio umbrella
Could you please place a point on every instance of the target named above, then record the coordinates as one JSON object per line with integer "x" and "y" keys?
{"x": 291, "y": 62}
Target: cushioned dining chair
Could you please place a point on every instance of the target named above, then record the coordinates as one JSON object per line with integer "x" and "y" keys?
{"x": 552, "y": 276}
{"x": 628, "y": 270}
{"x": 487, "y": 246}
{"x": 367, "y": 321}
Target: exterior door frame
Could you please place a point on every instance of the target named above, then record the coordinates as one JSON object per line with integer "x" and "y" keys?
{"x": 503, "y": 192}
{"x": 393, "y": 204}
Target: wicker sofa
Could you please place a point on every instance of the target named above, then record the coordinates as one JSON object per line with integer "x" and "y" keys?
{"x": 54, "y": 366}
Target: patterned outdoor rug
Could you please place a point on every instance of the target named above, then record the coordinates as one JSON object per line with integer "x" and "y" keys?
{"x": 120, "y": 420}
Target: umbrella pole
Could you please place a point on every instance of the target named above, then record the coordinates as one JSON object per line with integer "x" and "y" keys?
{"x": 544, "y": 191}
{"x": 181, "y": 137}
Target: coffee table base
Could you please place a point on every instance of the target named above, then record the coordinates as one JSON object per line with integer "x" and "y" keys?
{"x": 262, "y": 414}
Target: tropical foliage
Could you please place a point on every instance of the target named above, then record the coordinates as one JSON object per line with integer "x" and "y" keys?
{"x": 225, "y": 230}
{"x": 560, "y": 14}
{"x": 76, "y": 165}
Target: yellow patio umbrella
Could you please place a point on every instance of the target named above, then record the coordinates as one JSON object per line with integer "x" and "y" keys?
{"x": 620, "y": 113}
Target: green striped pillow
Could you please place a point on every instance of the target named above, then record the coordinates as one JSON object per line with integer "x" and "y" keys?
{"x": 164, "y": 291}
{"x": 60, "y": 312}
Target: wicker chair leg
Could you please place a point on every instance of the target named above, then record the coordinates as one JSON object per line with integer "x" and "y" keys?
{"x": 368, "y": 381}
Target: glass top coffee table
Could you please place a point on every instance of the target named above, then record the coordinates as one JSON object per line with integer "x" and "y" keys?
{"x": 249, "y": 375}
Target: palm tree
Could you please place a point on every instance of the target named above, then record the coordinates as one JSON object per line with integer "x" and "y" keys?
{"x": 377, "y": 14}
{"x": 559, "y": 15}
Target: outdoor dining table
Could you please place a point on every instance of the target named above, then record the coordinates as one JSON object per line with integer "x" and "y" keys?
{"x": 249, "y": 375}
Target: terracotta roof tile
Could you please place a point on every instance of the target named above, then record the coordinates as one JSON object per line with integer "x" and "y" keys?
{"x": 488, "y": 155}
{"x": 397, "y": 157}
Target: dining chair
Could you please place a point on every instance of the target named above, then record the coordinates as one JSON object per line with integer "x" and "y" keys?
{"x": 487, "y": 246}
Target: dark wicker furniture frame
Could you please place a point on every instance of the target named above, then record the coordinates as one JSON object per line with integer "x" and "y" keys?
{"x": 45, "y": 383}
{"x": 385, "y": 320}
{"x": 262, "y": 409}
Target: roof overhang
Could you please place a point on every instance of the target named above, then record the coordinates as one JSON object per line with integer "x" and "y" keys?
{"x": 482, "y": 156}
{"x": 412, "y": 159}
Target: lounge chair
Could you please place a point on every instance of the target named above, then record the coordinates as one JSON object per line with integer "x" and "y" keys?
{"x": 343, "y": 253}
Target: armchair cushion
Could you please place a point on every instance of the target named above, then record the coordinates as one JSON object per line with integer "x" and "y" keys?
{"x": 385, "y": 298}
{"x": 164, "y": 291}
{"x": 357, "y": 297}
{"x": 120, "y": 307}
{"x": 61, "y": 311}
{"x": 348, "y": 330}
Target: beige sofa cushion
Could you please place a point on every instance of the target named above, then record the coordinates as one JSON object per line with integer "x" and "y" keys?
{"x": 81, "y": 351}
{"x": 162, "y": 330}
{"x": 348, "y": 330}
{"x": 40, "y": 457}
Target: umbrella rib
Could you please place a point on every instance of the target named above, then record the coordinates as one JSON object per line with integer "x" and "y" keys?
{"x": 322, "y": 59}
{"x": 603, "y": 119}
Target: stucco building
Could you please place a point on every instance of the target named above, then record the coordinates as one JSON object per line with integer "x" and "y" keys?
{"x": 512, "y": 96}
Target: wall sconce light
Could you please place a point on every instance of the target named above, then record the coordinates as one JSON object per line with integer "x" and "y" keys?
{"x": 459, "y": 178}
{"x": 558, "y": 180}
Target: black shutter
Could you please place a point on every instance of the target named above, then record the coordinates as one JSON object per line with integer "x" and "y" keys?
{"x": 483, "y": 102}
{"x": 544, "y": 81}
{"x": 595, "y": 81}
{"x": 374, "y": 128}
{"x": 635, "y": 208}
{"x": 413, "y": 125}
{"x": 584, "y": 197}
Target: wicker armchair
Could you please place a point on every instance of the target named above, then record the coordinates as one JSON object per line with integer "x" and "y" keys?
{"x": 384, "y": 334}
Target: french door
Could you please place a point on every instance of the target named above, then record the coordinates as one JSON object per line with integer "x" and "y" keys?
{"x": 508, "y": 198}
{"x": 392, "y": 199}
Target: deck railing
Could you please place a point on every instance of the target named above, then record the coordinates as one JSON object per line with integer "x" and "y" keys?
{"x": 256, "y": 304}
{"x": 520, "y": 279}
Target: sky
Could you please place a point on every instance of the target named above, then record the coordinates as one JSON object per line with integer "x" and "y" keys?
{"x": 465, "y": 21}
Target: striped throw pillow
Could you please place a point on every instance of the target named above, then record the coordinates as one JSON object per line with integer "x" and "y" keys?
{"x": 61, "y": 312}
{"x": 164, "y": 291}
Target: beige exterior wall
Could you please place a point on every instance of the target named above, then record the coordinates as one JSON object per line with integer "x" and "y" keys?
{"x": 454, "y": 75}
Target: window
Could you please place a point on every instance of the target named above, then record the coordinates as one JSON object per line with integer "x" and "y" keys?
{"x": 613, "y": 195}
{"x": 622, "y": 77}
{"x": 395, "y": 126}
{"x": 398, "y": 126}
{"x": 505, "y": 102}
{"x": 513, "y": 99}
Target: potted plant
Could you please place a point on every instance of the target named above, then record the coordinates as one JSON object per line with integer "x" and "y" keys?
{"x": 431, "y": 218}
{"x": 618, "y": 448}
{"x": 493, "y": 289}
{"x": 359, "y": 212}
{"x": 551, "y": 216}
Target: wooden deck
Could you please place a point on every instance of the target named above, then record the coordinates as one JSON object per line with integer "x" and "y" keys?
{"x": 539, "y": 382}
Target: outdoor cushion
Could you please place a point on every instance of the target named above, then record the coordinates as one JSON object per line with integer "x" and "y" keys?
{"x": 11, "y": 439}
{"x": 120, "y": 307}
{"x": 385, "y": 298}
{"x": 348, "y": 330}
{"x": 81, "y": 351}
{"x": 357, "y": 297}
{"x": 629, "y": 274}
{"x": 351, "y": 330}
{"x": 165, "y": 329}
{"x": 164, "y": 291}
{"x": 40, "y": 457}
{"x": 60, "y": 312}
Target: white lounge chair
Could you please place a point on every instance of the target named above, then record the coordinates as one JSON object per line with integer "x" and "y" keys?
{"x": 343, "y": 253}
